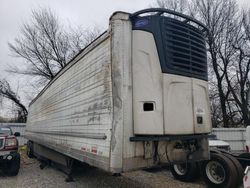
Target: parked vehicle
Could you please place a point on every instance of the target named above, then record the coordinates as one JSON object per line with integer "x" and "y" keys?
{"x": 9, "y": 156}
{"x": 190, "y": 171}
{"x": 215, "y": 143}
{"x": 135, "y": 96}
{"x": 223, "y": 169}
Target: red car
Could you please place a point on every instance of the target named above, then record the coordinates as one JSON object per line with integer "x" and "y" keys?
{"x": 9, "y": 156}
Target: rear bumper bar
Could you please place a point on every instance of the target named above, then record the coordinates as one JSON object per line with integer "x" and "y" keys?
{"x": 169, "y": 137}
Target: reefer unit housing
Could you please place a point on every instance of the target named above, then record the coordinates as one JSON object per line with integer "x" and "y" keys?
{"x": 135, "y": 96}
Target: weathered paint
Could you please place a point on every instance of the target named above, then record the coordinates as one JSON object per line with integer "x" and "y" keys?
{"x": 76, "y": 110}
{"x": 147, "y": 85}
{"x": 121, "y": 57}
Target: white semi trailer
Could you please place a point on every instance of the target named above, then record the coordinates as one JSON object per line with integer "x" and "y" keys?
{"x": 136, "y": 96}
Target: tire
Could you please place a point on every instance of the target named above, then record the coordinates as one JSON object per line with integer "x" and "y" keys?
{"x": 239, "y": 169}
{"x": 215, "y": 150}
{"x": 219, "y": 172}
{"x": 13, "y": 166}
{"x": 187, "y": 172}
{"x": 30, "y": 151}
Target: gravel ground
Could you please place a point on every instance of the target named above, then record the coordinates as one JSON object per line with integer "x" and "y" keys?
{"x": 31, "y": 176}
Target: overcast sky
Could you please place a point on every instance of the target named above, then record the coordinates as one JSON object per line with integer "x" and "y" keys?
{"x": 13, "y": 13}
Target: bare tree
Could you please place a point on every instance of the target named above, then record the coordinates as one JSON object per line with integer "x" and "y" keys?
{"x": 47, "y": 46}
{"x": 238, "y": 77}
{"x": 229, "y": 50}
{"x": 176, "y": 5}
{"x": 218, "y": 16}
{"x": 80, "y": 38}
{"x": 7, "y": 92}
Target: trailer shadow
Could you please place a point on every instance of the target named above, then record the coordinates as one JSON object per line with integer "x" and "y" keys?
{"x": 51, "y": 176}
{"x": 84, "y": 174}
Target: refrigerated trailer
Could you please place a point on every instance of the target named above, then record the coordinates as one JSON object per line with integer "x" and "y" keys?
{"x": 135, "y": 97}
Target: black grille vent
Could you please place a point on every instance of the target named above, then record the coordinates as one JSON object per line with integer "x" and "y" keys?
{"x": 180, "y": 42}
{"x": 184, "y": 47}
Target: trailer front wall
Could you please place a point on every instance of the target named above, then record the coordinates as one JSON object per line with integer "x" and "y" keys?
{"x": 74, "y": 114}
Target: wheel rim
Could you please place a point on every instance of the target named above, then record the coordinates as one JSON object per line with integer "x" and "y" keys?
{"x": 180, "y": 169}
{"x": 215, "y": 172}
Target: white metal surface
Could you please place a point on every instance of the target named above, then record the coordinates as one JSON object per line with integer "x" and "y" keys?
{"x": 247, "y": 143}
{"x": 201, "y": 107}
{"x": 214, "y": 143}
{"x": 185, "y": 99}
{"x": 177, "y": 100}
{"x": 178, "y": 104}
{"x": 121, "y": 37}
{"x": 234, "y": 136}
{"x": 76, "y": 110}
{"x": 147, "y": 85}
{"x": 83, "y": 113}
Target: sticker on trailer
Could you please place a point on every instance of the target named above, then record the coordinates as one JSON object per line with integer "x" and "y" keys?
{"x": 94, "y": 150}
{"x": 83, "y": 149}
{"x": 141, "y": 23}
{"x": 200, "y": 111}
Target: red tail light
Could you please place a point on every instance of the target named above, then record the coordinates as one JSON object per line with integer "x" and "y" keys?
{"x": 247, "y": 149}
{"x": 10, "y": 143}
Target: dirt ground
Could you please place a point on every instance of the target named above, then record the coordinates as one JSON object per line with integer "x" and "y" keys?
{"x": 31, "y": 176}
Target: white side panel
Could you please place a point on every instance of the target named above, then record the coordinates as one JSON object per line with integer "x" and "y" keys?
{"x": 147, "y": 85}
{"x": 121, "y": 88}
{"x": 201, "y": 106}
{"x": 75, "y": 112}
{"x": 178, "y": 107}
{"x": 236, "y": 137}
{"x": 186, "y": 100}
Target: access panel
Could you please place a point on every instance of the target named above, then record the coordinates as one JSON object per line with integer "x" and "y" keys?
{"x": 147, "y": 85}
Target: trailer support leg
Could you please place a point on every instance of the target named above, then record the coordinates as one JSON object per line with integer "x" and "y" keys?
{"x": 70, "y": 163}
{"x": 44, "y": 163}
{"x": 117, "y": 174}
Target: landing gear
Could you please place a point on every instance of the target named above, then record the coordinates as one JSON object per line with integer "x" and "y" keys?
{"x": 30, "y": 150}
{"x": 42, "y": 166}
{"x": 69, "y": 170}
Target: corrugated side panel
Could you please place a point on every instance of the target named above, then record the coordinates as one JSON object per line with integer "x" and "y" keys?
{"x": 74, "y": 114}
{"x": 236, "y": 137}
